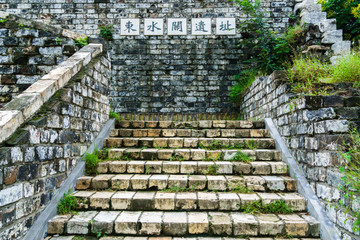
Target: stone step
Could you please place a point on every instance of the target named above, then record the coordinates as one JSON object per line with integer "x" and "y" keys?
{"x": 177, "y": 142}
{"x": 193, "y": 167}
{"x": 196, "y": 182}
{"x": 77, "y": 237}
{"x": 156, "y": 223}
{"x": 241, "y": 143}
{"x": 205, "y": 124}
{"x": 211, "y": 133}
{"x": 191, "y": 154}
{"x": 185, "y": 201}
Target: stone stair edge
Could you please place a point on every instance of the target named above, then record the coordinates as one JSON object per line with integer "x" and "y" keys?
{"x": 186, "y": 223}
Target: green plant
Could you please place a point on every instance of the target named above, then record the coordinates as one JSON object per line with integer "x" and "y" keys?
{"x": 113, "y": 114}
{"x": 91, "y": 162}
{"x": 239, "y": 188}
{"x": 306, "y": 74}
{"x": 2, "y": 20}
{"x": 347, "y": 14}
{"x": 106, "y": 32}
{"x": 347, "y": 69}
{"x": 82, "y": 42}
{"x": 79, "y": 238}
{"x": 99, "y": 232}
{"x": 243, "y": 80}
{"x": 212, "y": 170}
{"x": 176, "y": 158}
{"x": 350, "y": 152}
{"x": 274, "y": 207}
{"x": 20, "y": 25}
{"x": 240, "y": 157}
{"x": 251, "y": 144}
{"x": 58, "y": 40}
{"x": 147, "y": 170}
{"x": 68, "y": 203}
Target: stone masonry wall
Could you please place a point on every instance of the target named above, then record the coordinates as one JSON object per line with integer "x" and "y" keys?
{"x": 26, "y": 54}
{"x": 160, "y": 73}
{"x": 42, "y": 153}
{"x": 312, "y": 127}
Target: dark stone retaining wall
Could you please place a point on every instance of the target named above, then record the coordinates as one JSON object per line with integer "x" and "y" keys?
{"x": 312, "y": 127}
{"x": 160, "y": 73}
{"x": 27, "y": 53}
{"x": 42, "y": 153}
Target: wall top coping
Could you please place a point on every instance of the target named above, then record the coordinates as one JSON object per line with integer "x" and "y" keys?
{"x": 25, "y": 105}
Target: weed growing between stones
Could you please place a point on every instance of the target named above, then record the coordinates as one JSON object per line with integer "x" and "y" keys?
{"x": 212, "y": 170}
{"x": 81, "y": 42}
{"x": 240, "y": 157}
{"x": 350, "y": 152}
{"x": 275, "y": 207}
{"x": 91, "y": 162}
{"x": 176, "y": 158}
{"x": 239, "y": 188}
{"x": 115, "y": 115}
{"x": 68, "y": 203}
{"x": 106, "y": 32}
{"x": 217, "y": 145}
{"x": 98, "y": 232}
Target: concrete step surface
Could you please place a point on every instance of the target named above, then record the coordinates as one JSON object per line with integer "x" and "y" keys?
{"x": 211, "y": 133}
{"x": 185, "y": 201}
{"x": 171, "y": 223}
{"x": 198, "y": 182}
{"x": 194, "y": 167}
{"x": 179, "y": 142}
{"x": 205, "y": 124}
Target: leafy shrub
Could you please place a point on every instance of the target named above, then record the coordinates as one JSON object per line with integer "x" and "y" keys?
{"x": 267, "y": 50}
{"x": 347, "y": 15}
{"x": 91, "y": 162}
{"x": 68, "y": 203}
{"x": 82, "y": 42}
{"x": 106, "y": 32}
{"x": 350, "y": 151}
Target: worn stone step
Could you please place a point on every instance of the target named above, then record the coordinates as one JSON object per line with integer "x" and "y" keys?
{"x": 193, "y": 167}
{"x": 198, "y": 182}
{"x": 186, "y": 201}
{"x": 211, "y": 133}
{"x": 205, "y": 124}
{"x": 178, "y": 142}
{"x": 77, "y": 237}
{"x": 169, "y": 223}
{"x": 185, "y": 154}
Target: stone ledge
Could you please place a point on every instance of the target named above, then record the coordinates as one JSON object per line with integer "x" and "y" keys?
{"x": 24, "y": 106}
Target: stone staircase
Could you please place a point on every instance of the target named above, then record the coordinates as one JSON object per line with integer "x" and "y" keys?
{"x": 170, "y": 179}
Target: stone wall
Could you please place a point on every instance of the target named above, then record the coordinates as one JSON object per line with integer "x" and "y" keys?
{"x": 44, "y": 131}
{"x": 312, "y": 127}
{"x": 160, "y": 73}
{"x": 27, "y": 53}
